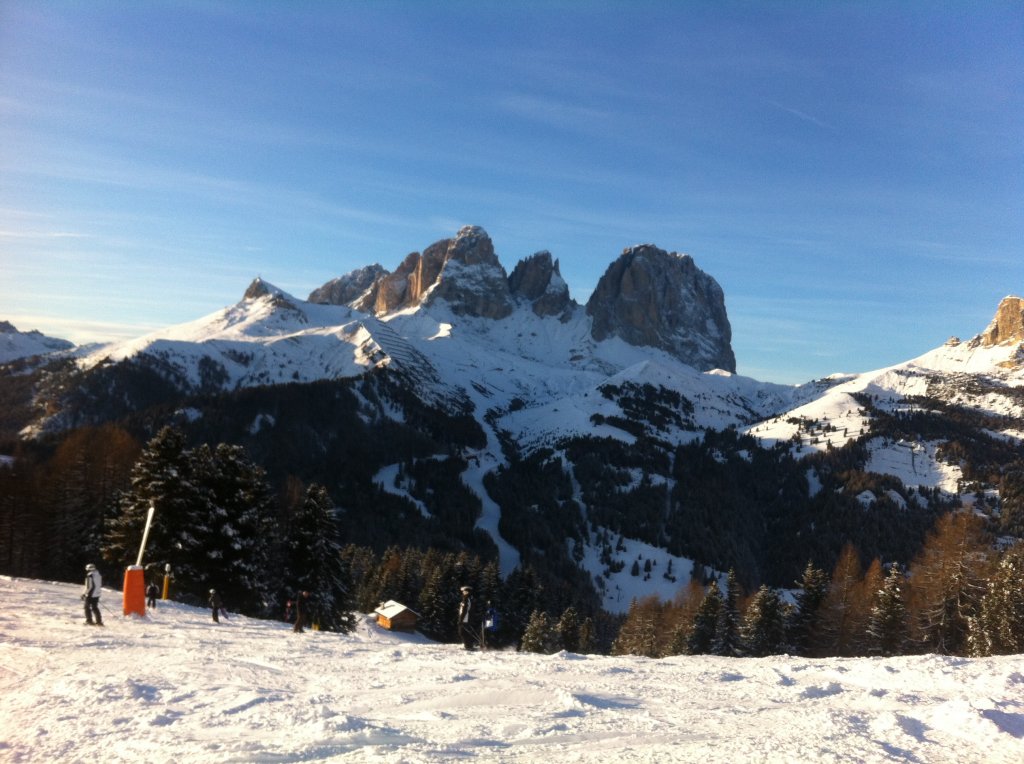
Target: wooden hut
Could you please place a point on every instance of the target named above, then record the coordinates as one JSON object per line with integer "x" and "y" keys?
{"x": 395, "y": 616}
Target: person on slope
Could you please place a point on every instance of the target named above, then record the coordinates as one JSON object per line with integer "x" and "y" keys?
{"x": 91, "y": 595}
{"x": 216, "y": 605}
{"x": 301, "y": 612}
{"x": 151, "y": 592}
{"x": 466, "y": 614}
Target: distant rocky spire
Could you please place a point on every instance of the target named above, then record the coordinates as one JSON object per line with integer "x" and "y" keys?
{"x": 537, "y": 280}
{"x": 1008, "y": 324}
{"x": 652, "y": 297}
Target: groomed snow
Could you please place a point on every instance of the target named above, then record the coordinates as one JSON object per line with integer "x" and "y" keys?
{"x": 175, "y": 687}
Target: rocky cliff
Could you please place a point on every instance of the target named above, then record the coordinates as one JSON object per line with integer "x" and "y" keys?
{"x": 660, "y": 299}
{"x": 646, "y": 297}
{"x": 463, "y": 271}
{"x": 1008, "y": 324}
{"x": 537, "y": 280}
{"x": 350, "y": 288}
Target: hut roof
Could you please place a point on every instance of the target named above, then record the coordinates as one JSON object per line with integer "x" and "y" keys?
{"x": 391, "y": 608}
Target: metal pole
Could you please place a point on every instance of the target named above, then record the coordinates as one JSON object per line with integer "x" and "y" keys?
{"x": 145, "y": 533}
{"x": 167, "y": 579}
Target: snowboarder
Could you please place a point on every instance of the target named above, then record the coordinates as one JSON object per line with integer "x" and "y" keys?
{"x": 216, "y": 605}
{"x": 301, "y": 612}
{"x": 91, "y": 595}
{"x": 466, "y": 630}
{"x": 151, "y": 592}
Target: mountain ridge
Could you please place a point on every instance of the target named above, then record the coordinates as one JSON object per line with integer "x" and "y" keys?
{"x": 535, "y": 421}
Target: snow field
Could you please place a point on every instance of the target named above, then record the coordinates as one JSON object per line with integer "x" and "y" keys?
{"x": 176, "y": 687}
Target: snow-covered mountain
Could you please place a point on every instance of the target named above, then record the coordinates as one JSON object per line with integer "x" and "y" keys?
{"x": 984, "y": 375}
{"x": 608, "y": 429}
{"x": 15, "y": 344}
{"x": 447, "y": 320}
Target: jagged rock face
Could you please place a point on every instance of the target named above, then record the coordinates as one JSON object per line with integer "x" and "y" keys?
{"x": 349, "y": 288}
{"x": 1008, "y": 324}
{"x": 407, "y": 285}
{"x": 660, "y": 299}
{"x": 537, "y": 280}
{"x": 472, "y": 280}
{"x": 463, "y": 271}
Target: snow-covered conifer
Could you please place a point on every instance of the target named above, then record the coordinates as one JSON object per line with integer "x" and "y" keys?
{"x": 764, "y": 631}
{"x": 702, "y": 635}
{"x": 540, "y": 635}
{"x": 727, "y": 640}
{"x": 887, "y": 624}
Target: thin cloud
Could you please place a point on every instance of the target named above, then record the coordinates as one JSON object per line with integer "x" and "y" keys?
{"x": 7, "y": 234}
{"x": 551, "y": 111}
{"x": 802, "y": 115}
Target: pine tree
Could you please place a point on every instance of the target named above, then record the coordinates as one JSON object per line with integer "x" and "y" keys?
{"x": 439, "y": 599}
{"x": 314, "y": 562}
{"x": 568, "y": 630}
{"x": 640, "y": 631}
{"x": 764, "y": 628}
{"x": 998, "y": 629}
{"x": 947, "y": 582}
{"x": 837, "y": 635}
{"x": 702, "y": 635}
{"x": 587, "y": 638}
{"x": 887, "y": 625}
{"x": 242, "y": 530}
{"x": 803, "y": 623}
{"x": 540, "y": 635}
{"x": 727, "y": 639}
{"x": 523, "y": 593}
{"x": 163, "y": 476}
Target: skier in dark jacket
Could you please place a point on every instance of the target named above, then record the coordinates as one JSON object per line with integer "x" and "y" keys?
{"x": 91, "y": 595}
{"x": 466, "y": 615}
{"x": 151, "y": 593}
{"x": 216, "y": 605}
{"x": 301, "y": 611}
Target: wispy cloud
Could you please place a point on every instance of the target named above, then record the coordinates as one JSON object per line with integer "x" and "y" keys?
{"x": 557, "y": 113}
{"x": 8, "y": 234}
{"x": 802, "y": 115}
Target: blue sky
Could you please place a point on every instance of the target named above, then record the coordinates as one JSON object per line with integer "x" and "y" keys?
{"x": 851, "y": 174}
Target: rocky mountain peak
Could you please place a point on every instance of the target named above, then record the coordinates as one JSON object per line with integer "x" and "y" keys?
{"x": 537, "y": 280}
{"x": 280, "y": 299}
{"x": 15, "y": 344}
{"x": 472, "y": 280}
{"x": 1008, "y": 324}
{"x": 349, "y": 288}
{"x": 464, "y": 271}
{"x": 662, "y": 299}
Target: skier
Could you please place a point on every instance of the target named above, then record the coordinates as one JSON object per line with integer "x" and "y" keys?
{"x": 466, "y": 630}
{"x": 91, "y": 595}
{"x": 490, "y": 624}
{"x": 216, "y": 605}
{"x": 151, "y": 591}
{"x": 301, "y": 612}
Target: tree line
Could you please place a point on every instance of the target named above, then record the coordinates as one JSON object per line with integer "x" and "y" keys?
{"x": 959, "y": 596}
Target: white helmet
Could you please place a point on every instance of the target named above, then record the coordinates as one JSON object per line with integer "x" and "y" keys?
{"x": 213, "y": 591}
{"x": 90, "y": 566}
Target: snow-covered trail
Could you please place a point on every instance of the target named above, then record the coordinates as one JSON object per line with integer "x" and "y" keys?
{"x": 177, "y": 687}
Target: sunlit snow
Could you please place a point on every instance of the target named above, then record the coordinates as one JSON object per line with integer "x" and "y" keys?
{"x": 176, "y": 687}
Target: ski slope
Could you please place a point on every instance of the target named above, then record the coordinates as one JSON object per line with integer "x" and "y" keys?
{"x": 175, "y": 687}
